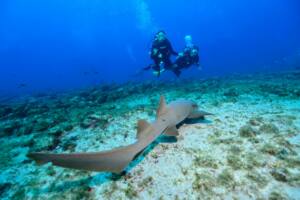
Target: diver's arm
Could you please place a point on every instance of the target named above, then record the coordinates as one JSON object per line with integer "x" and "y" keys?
{"x": 171, "y": 48}
{"x": 154, "y": 49}
{"x": 174, "y": 52}
{"x": 153, "y": 53}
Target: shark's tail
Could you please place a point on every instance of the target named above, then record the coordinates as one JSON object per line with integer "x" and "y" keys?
{"x": 114, "y": 160}
{"x": 39, "y": 158}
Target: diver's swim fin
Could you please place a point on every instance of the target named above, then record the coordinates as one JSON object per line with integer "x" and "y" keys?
{"x": 158, "y": 73}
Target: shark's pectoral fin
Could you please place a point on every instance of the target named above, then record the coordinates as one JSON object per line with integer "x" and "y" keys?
{"x": 141, "y": 126}
{"x": 171, "y": 131}
{"x": 198, "y": 114}
{"x": 162, "y": 108}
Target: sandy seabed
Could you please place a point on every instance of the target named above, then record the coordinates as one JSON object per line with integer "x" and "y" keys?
{"x": 249, "y": 148}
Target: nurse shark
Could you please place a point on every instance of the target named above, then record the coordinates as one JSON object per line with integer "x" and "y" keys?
{"x": 116, "y": 160}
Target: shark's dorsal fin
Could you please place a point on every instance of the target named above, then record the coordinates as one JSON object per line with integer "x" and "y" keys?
{"x": 162, "y": 108}
{"x": 141, "y": 126}
{"x": 171, "y": 131}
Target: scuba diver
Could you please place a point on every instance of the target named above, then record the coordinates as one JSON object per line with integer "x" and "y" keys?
{"x": 188, "y": 57}
{"x": 160, "y": 53}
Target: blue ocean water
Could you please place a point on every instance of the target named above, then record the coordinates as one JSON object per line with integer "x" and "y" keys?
{"x": 61, "y": 45}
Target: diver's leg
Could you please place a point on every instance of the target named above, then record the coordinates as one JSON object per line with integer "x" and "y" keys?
{"x": 177, "y": 72}
{"x": 156, "y": 70}
{"x": 155, "y": 67}
{"x": 168, "y": 63}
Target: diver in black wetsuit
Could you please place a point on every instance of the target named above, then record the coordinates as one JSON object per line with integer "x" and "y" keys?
{"x": 160, "y": 53}
{"x": 188, "y": 57}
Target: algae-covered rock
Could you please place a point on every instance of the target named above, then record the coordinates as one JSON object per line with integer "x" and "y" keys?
{"x": 9, "y": 129}
{"x": 280, "y": 174}
{"x": 93, "y": 122}
{"x": 130, "y": 192}
{"x": 6, "y": 131}
{"x": 234, "y": 161}
{"x": 287, "y": 120}
{"x": 254, "y": 160}
{"x": 108, "y": 192}
{"x": 293, "y": 161}
{"x": 146, "y": 182}
{"x": 276, "y": 195}
{"x": 25, "y": 129}
{"x": 4, "y": 187}
{"x": 231, "y": 93}
{"x": 226, "y": 178}
{"x": 42, "y": 142}
{"x": 294, "y": 179}
{"x": 101, "y": 99}
{"x": 21, "y": 111}
{"x": 205, "y": 160}
{"x": 55, "y": 143}
{"x": 70, "y": 144}
{"x": 42, "y": 125}
{"x": 20, "y": 193}
{"x": 270, "y": 149}
{"x": 86, "y": 123}
{"x": 247, "y": 131}
{"x": 282, "y": 154}
{"x": 269, "y": 128}
{"x": 255, "y": 121}
{"x": 66, "y": 126}
{"x": 234, "y": 149}
{"x": 258, "y": 178}
{"x": 278, "y": 90}
{"x": 204, "y": 182}
{"x": 4, "y": 111}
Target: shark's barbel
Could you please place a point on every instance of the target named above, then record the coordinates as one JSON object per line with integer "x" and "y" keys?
{"x": 116, "y": 160}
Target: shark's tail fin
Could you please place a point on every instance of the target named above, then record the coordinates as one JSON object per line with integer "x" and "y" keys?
{"x": 39, "y": 158}
{"x": 113, "y": 161}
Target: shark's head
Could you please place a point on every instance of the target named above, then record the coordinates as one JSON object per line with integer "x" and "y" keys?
{"x": 176, "y": 111}
{"x": 183, "y": 108}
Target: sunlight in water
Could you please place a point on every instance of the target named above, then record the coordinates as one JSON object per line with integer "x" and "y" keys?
{"x": 145, "y": 20}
